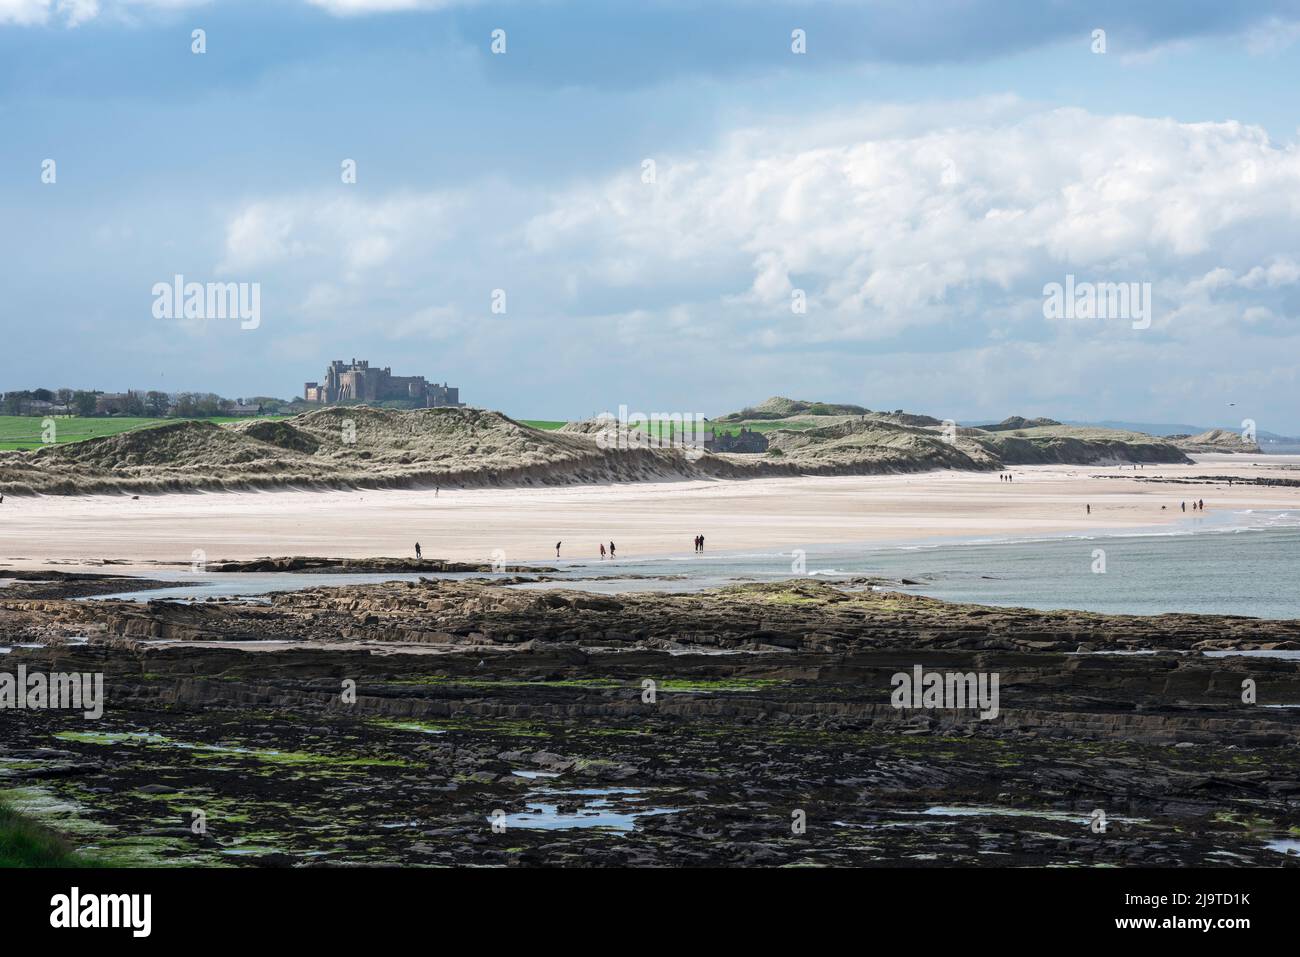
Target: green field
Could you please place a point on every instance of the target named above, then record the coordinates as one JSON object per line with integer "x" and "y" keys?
{"x": 546, "y": 425}
{"x": 760, "y": 425}
{"x": 24, "y": 431}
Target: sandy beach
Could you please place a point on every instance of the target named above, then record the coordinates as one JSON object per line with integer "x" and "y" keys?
{"x": 643, "y": 519}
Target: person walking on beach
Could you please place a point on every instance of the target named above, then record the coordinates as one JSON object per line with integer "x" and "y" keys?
{"x": 418, "y": 553}
{"x": 1202, "y": 502}
{"x": 557, "y": 549}
{"x": 611, "y": 549}
{"x": 701, "y": 540}
{"x": 1089, "y": 508}
{"x": 602, "y": 551}
{"x": 1184, "y": 505}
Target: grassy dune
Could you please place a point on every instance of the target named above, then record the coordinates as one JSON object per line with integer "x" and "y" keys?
{"x": 354, "y": 447}
{"x": 363, "y": 447}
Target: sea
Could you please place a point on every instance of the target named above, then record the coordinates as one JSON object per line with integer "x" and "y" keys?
{"x": 1227, "y": 563}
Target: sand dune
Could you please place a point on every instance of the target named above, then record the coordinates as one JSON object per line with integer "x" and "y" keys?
{"x": 357, "y": 447}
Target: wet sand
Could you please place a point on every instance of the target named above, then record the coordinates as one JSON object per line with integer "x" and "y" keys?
{"x": 644, "y": 519}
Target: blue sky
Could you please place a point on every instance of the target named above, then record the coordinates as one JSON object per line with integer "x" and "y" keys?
{"x": 919, "y": 175}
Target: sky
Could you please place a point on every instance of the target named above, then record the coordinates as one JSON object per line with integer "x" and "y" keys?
{"x": 662, "y": 205}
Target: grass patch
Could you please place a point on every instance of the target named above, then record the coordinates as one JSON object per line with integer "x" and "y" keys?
{"x": 224, "y": 752}
{"x": 110, "y": 737}
{"x": 791, "y": 598}
{"x": 718, "y": 684}
{"x": 26, "y": 843}
{"x": 759, "y": 425}
{"x": 24, "y": 431}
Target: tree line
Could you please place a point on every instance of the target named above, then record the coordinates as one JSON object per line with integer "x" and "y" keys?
{"x": 150, "y": 404}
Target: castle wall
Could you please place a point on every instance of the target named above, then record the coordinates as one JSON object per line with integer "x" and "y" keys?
{"x": 358, "y": 382}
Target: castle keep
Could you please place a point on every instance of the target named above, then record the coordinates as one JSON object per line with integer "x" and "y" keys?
{"x": 357, "y": 382}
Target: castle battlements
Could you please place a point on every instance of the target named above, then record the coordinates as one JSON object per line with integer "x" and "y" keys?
{"x": 358, "y": 382}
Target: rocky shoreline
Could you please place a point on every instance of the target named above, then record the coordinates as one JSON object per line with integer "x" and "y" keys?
{"x": 20, "y": 583}
{"x": 465, "y": 723}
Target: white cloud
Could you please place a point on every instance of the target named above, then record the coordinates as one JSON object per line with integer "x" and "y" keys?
{"x": 347, "y": 8}
{"x": 892, "y": 231}
{"x": 888, "y": 233}
{"x": 433, "y": 323}
{"x": 1282, "y": 271}
{"x": 24, "y": 12}
{"x": 334, "y": 237}
{"x": 73, "y": 13}
{"x": 77, "y": 12}
{"x": 1272, "y": 36}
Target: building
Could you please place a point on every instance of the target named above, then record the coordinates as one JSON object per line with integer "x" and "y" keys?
{"x": 358, "y": 382}
{"x": 113, "y": 403}
{"x": 745, "y": 441}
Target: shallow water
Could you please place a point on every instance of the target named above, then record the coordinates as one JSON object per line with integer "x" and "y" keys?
{"x": 1278, "y": 653}
{"x": 1238, "y": 563}
{"x": 1248, "y": 567}
{"x": 191, "y": 586}
{"x": 594, "y": 809}
{"x": 993, "y": 810}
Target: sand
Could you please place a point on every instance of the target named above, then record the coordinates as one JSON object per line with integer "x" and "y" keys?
{"x": 648, "y": 519}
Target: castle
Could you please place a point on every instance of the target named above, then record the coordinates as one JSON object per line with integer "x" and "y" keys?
{"x": 357, "y": 382}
